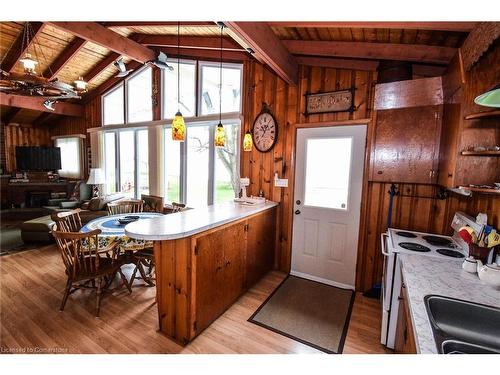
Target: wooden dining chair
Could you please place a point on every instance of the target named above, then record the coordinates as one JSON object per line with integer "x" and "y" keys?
{"x": 67, "y": 221}
{"x": 152, "y": 203}
{"x": 128, "y": 206}
{"x": 84, "y": 264}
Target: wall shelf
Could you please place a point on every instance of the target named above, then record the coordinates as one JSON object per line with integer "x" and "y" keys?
{"x": 489, "y": 114}
{"x": 480, "y": 190}
{"x": 480, "y": 153}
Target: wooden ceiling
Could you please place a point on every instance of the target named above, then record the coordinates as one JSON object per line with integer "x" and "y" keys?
{"x": 67, "y": 53}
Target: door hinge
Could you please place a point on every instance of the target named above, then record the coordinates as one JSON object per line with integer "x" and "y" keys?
{"x": 246, "y": 227}
{"x": 195, "y": 249}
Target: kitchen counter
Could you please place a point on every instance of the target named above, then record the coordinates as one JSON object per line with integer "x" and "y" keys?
{"x": 187, "y": 223}
{"x": 428, "y": 275}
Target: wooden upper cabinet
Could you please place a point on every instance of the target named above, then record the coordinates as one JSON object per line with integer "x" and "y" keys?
{"x": 406, "y": 145}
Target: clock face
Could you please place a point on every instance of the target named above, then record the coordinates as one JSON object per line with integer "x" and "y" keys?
{"x": 265, "y": 132}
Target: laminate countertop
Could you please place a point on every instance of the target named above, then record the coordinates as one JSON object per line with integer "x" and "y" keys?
{"x": 190, "y": 222}
{"x": 425, "y": 275}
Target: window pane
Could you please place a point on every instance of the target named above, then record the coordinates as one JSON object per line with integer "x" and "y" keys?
{"x": 197, "y": 165}
{"x": 226, "y": 166}
{"x": 187, "y": 90}
{"x": 143, "y": 161}
{"x": 127, "y": 163}
{"x": 231, "y": 90}
{"x": 172, "y": 167}
{"x": 70, "y": 157}
{"x": 113, "y": 107}
{"x": 328, "y": 187}
{"x": 110, "y": 162}
{"x": 139, "y": 91}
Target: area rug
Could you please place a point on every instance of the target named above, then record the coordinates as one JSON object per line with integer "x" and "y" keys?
{"x": 312, "y": 313}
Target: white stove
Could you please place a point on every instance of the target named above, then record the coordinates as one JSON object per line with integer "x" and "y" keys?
{"x": 402, "y": 241}
{"x": 398, "y": 241}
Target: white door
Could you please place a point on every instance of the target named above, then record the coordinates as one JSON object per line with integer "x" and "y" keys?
{"x": 327, "y": 202}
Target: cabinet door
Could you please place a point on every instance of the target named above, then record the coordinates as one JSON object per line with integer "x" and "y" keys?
{"x": 405, "y": 342}
{"x": 209, "y": 278}
{"x": 261, "y": 239}
{"x": 406, "y": 145}
{"x": 233, "y": 271}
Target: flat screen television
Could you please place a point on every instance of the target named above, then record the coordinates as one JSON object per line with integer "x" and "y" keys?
{"x": 37, "y": 158}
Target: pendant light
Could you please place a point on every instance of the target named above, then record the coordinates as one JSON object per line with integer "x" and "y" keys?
{"x": 178, "y": 125}
{"x": 220, "y": 134}
{"x": 247, "y": 141}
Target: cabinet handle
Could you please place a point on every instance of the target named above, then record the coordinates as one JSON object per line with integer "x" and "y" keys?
{"x": 380, "y": 172}
{"x": 218, "y": 268}
{"x": 400, "y": 298}
{"x": 228, "y": 263}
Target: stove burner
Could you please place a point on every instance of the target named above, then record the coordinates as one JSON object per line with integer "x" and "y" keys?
{"x": 438, "y": 241}
{"x": 406, "y": 234}
{"x": 414, "y": 247}
{"x": 450, "y": 253}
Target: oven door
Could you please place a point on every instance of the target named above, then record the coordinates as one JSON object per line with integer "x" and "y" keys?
{"x": 387, "y": 272}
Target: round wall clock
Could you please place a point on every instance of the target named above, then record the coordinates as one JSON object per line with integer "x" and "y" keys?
{"x": 264, "y": 131}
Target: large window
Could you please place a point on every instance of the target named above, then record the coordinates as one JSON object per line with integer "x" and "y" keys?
{"x": 131, "y": 101}
{"x": 71, "y": 156}
{"x": 195, "y": 171}
{"x": 131, "y": 173}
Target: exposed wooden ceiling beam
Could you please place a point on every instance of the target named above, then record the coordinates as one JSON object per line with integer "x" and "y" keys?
{"x": 441, "y": 26}
{"x": 101, "y": 65}
{"x": 478, "y": 41}
{"x": 36, "y": 103}
{"x": 9, "y": 116}
{"x": 325, "y": 62}
{"x": 428, "y": 70}
{"x": 379, "y": 51}
{"x": 200, "y": 42}
{"x": 209, "y": 54}
{"x": 63, "y": 58}
{"x": 98, "y": 34}
{"x": 267, "y": 47}
{"x": 20, "y": 47}
{"x": 155, "y": 23}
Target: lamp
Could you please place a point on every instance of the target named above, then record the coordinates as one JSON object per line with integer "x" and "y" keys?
{"x": 29, "y": 64}
{"x": 247, "y": 142}
{"x": 178, "y": 125}
{"x": 96, "y": 177}
{"x": 80, "y": 85}
{"x": 220, "y": 134}
{"x": 490, "y": 98}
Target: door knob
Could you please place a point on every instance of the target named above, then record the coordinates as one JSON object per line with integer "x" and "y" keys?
{"x": 297, "y": 212}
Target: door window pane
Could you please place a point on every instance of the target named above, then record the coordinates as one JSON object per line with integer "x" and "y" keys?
{"x": 142, "y": 162}
{"x": 197, "y": 165}
{"x": 110, "y": 162}
{"x": 328, "y": 185}
{"x": 227, "y": 174}
{"x": 127, "y": 163}
{"x": 113, "y": 107}
{"x": 139, "y": 91}
{"x": 231, "y": 89}
{"x": 172, "y": 167}
{"x": 187, "y": 104}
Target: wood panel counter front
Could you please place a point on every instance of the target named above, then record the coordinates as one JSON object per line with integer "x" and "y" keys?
{"x": 205, "y": 259}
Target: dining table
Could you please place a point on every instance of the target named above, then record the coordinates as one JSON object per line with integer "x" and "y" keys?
{"x": 113, "y": 231}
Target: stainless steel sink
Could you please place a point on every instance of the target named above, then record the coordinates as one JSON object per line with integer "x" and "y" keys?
{"x": 462, "y": 326}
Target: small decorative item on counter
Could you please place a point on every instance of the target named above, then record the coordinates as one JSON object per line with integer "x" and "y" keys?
{"x": 489, "y": 273}
{"x": 482, "y": 245}
{"x": 470, "y": 264}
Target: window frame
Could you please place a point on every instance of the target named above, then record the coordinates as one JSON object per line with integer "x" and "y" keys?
{"x": 81, "y": 139}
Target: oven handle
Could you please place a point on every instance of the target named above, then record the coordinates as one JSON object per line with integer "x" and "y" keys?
{"x": 382, "y": 248}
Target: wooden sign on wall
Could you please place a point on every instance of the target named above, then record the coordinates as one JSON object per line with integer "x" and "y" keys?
{"x": 333, "y": 101}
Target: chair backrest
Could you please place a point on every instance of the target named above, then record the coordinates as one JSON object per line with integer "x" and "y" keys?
{"x": 68, "y": 221}
{"x": 177, "y": 207}
{"x": 79, "y": 252}
{"x": 125, "y": 206}
{"x": 152, "y": 203}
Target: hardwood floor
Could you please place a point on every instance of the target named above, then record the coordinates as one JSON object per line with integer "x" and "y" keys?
{"x": 31, "y": 286}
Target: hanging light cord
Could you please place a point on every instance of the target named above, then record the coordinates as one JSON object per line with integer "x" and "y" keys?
{"x": 178, "y": 69}
{"x": 220, "y": 78}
